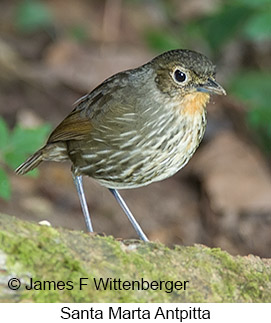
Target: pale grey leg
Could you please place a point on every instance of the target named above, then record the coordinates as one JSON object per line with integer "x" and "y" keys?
{"x": 80, "y": 190}
{"x": 130, "y": 216}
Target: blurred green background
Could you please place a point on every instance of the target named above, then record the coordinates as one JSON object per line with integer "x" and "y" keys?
{"x": 43, "y": 42}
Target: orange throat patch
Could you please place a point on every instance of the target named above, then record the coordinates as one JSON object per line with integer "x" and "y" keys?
{"x": 194, "y": 103}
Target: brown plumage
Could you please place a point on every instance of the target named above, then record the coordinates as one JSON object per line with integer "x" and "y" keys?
{"x": 137, "y": 127}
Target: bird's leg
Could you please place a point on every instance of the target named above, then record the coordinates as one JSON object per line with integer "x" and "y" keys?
{"x": 129, "y": 214}
{"x": 80, "y": 190}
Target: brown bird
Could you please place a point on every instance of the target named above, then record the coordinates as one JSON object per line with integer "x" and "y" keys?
{"x": 137, "y": 127}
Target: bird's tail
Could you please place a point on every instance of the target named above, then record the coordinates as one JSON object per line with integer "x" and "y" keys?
{"x": 51, "y": 151}
{"x": 31, "y": 163}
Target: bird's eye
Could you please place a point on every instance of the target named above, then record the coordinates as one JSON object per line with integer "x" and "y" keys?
{"x": 179, "y": 76}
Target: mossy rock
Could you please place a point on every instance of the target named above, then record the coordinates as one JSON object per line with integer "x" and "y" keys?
{"x": 50, "y": 255}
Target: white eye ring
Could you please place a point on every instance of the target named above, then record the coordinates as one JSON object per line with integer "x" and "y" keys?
{"x": 179, "y": 76}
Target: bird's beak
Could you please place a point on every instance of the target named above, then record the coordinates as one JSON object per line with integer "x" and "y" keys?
{"x": 212, "y": 87}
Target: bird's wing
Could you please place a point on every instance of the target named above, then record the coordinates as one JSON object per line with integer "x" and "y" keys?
{"x": 97, "y": 105}
{"x": 73, "y": 127}
{"x": 77, "y": 125}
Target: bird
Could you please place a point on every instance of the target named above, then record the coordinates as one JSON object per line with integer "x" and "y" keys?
{"x": 137, "y": 127}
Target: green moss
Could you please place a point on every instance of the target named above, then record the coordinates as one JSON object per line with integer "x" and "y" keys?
{"x": 48, "y": 254}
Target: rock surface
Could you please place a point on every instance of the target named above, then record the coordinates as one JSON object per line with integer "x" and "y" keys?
{"x": 44, "y": 253}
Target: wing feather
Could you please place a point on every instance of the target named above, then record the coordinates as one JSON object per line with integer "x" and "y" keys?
{"x": 73, "y": 127}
